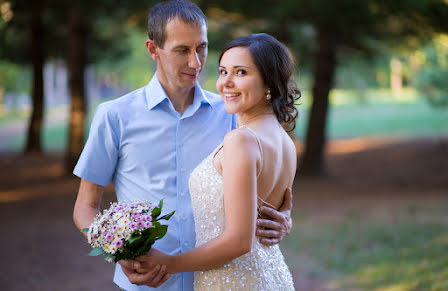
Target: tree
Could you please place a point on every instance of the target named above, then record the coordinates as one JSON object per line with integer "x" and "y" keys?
{"x": 18, "y": 28}
{"x": 96, "y": 30}
{"x": 339, "y": 27}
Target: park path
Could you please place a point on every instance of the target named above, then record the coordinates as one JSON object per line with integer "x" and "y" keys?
{"x": 40, "y": 248}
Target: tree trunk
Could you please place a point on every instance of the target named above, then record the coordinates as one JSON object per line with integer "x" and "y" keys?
{"x": 76, "y": 58}
{"x": 33, "y": 143}
{"x": 324, "y": 68}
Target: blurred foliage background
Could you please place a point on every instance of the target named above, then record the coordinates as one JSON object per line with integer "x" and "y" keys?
{"x": 366, "y": 69}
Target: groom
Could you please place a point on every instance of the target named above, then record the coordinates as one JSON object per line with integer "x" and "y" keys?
{"x": 148, "y": 142}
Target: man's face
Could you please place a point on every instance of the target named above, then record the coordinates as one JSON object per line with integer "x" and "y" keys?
{"x": 183, "y": 55}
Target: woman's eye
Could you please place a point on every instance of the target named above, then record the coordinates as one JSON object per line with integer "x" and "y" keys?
{"x": 241, "y": 72}
{"x": 222, "y": 72}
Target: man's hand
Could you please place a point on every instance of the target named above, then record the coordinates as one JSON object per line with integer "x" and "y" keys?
{"x": 143, "y": 272}
{"x": 273, "y": 230}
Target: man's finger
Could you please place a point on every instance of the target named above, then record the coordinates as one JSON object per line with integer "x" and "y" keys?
{"x": 145, "y": 278}
{"x": 287, "y": 200}
{"x": 266, "y": 233}
{"x": 271, "y": 224}
{"x": 269, "y": 241}
{"x": 159, "y": 275}
{"x": 270, "y": 213}
{"x": 165, "y": 277}
{"x": 128, "y": 264}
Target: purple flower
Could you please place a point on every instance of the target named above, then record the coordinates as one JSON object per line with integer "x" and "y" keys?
{"x": 118, "y": 243}
{"x": 109, "y": 237}
{"x": 147, "y": 224}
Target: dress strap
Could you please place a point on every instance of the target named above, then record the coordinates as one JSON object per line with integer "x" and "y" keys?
{"x": 267, "y": 203}
{"x": 259, "y": 145}
{"x": 217, "y": 150}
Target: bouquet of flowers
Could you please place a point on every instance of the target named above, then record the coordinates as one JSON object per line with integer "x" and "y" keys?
{"x": 126, "y": 230}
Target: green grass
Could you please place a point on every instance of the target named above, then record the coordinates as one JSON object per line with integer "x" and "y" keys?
{"x": 407, "y": 251}
{"x": 407, "y": 116}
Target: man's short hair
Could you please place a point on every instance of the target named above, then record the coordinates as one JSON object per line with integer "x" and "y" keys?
{"x": 165, "y": 11}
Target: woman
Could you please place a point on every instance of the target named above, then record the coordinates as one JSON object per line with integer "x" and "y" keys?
{"x": 259, "y": 157}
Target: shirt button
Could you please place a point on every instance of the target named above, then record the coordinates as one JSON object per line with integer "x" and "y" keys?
{"x": 182, "y": 194}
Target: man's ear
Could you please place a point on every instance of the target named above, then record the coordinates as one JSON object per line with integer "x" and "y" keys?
{"x": 152, "y": 49}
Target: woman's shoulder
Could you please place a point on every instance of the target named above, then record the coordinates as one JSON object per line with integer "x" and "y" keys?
{"x": 241, "y": 140}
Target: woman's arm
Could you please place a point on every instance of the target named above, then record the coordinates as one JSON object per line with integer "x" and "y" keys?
{"x": 241, "y": 156}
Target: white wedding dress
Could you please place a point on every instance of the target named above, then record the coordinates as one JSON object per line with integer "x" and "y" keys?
{"x": 263, "y": 268}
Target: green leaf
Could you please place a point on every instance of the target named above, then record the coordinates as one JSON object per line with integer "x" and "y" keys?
{"x": 85, "y": 229}
{"x": 162, "y": 231}
{"x": 96, "y": 252}
{"x": 167, "y": 216}
{"x": 161, "y": 204}
{"x": 134, "y": 238}
{"x": 156, "y": 212}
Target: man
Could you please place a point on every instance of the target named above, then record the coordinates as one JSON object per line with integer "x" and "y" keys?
{"x": 148, "y": 142}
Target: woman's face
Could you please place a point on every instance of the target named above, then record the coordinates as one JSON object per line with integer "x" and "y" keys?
{"x": 240, "y": 83}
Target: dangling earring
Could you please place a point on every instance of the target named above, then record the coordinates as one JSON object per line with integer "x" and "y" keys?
{"x": 268, "y": 95}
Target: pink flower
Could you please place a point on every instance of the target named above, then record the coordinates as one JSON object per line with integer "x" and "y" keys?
{"x": 147, "y": 224}
{"x": 140, "y": 224}
{"x": 133, "y": 225}
{"x": 109, "y": 237}
{"x": 118, "y": 243}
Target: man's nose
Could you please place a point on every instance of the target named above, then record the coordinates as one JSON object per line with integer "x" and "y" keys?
{"x": 194, "y": 61}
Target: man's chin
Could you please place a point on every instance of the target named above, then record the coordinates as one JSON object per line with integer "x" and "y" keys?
{"x": 189, "y": 82}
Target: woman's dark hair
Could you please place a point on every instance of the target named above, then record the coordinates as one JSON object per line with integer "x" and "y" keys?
{"x": 276, "y": 65}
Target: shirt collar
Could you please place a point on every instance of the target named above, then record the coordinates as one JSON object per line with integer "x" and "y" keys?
{"x": 155, "y": 94}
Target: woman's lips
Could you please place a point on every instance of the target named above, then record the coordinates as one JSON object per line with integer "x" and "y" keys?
{"x": 231, "y": 96}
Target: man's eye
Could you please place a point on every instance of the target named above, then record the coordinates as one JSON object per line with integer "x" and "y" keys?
{"x": 202, "y": 48}
{"x": 183, "y": 51}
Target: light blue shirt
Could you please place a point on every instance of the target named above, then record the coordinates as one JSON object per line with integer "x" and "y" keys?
{"x": 148, "y": 150}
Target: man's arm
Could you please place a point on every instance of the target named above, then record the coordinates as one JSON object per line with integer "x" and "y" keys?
{"x": 87, "y": 204}
{"x": 272, "y": 231}
{"x": 86, "y": 208}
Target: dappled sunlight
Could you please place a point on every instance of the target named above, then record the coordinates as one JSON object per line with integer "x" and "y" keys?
{"x": 57, "y": 188}
{"x": 347, "y": 146}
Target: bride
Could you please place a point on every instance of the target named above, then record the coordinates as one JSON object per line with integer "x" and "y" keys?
{"x": 252, "y": 167}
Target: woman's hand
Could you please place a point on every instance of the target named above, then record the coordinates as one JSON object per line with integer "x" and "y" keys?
{"x": 149, "y": 261}
{"x": 147, "y": 269}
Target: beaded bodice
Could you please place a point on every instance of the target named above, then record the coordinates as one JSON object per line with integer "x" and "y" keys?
{"x": 263, "y": 268}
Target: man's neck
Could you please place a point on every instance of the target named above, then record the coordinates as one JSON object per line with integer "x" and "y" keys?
{"x": 181, "y": 98}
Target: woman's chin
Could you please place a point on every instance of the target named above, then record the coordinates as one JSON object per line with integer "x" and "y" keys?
{"x": 231, "y": 109}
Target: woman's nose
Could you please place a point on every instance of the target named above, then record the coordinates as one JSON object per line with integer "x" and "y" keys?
{"x": 228, "y": 81}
